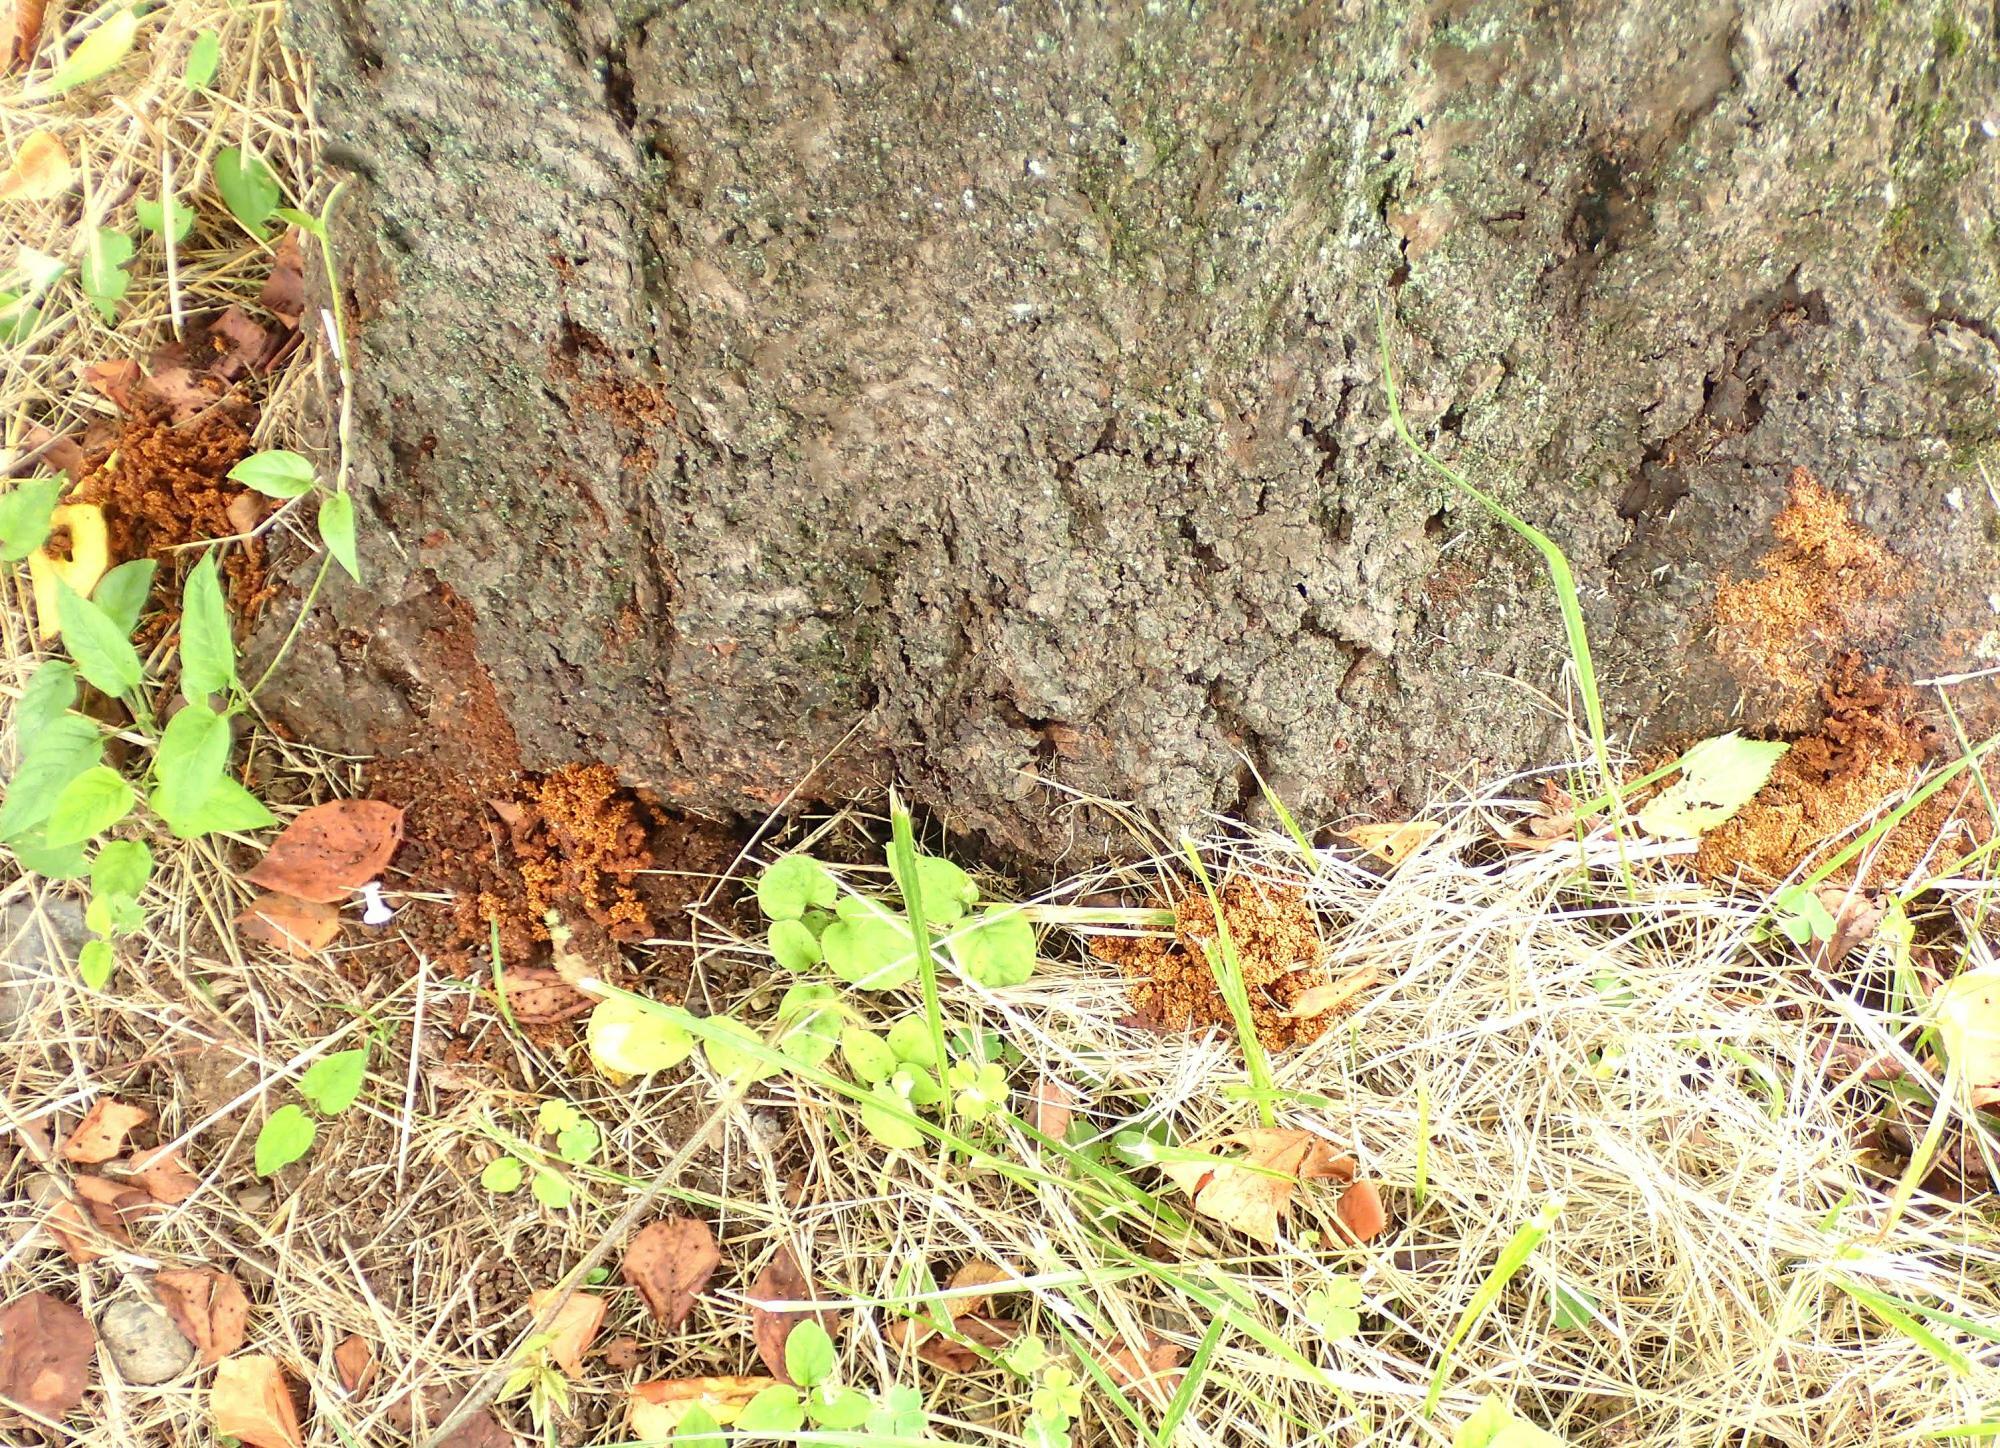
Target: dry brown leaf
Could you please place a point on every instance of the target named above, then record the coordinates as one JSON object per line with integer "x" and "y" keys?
{"x": 163, "y": 1176}
{"x": 944, "y": 1353}
{"x": 331, "y": 850}
{"x": 41, "y": 170}
{"x": 573, "y": 1328}
{"x": 208, "y": 1306}
{"x": 178, "y": 391}
{"x": 1857, "y": 915}
{"x": 284, "y": 292}
{"x": 979, "y": 1272}
{"x": 27, "y": 32}
{"x": 112, "y": 1203}
{"x": 298, "y": 928}
{"x": 538, "y": 996}
{"x": 251, "y": 1401}
{"x": 1393, "y": 843}
{"x": 670, "y": 1262}
{"x": 1150, "y": 1373}
{"x": 655, "y": 1409}
{"x": 45, "y": 1351}
{"x": 1361, "y": 1213}
{"x": 1253, "y": 1194}
{"x": 621, "y": 1354}
{"x": 113, "y": 380}
{"x": 102, "y": 1132}
{"x": 246, "y": 510}
{"x": 781, "y": 1281}
{"x": 67, "y": 1224}
{"x": 1055, "y": 1107}
{"x": 1334, "y": 995}
{"x": 231, "y": 345}
{"x": 354, "y": 1361}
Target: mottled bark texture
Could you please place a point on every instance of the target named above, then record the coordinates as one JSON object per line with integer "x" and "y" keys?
{"x": 1000, "y": 381}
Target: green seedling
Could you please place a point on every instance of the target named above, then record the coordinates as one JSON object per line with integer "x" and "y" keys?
{"x": 248, "y": 188}
{"x": 27, "y": 516}
{"x": 331, "y": 1084}
{"x": 627, "y": 1040}
{"x": 173, "y": 218}
{"x": 203, "y": 58}
{"x": 537, "y": 1376}
{"x": 1335, "y": 1309}
{"x": 95, "y": 55}
{"x": 103, "y": 274}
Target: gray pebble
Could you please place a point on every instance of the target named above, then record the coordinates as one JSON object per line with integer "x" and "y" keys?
{"x": 143, "y": 1342}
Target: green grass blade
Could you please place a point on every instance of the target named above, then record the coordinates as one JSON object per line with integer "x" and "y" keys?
{"x": 1228, "y": 968}
{"x": 1890, "y": 1310}
{"x": 903, "y": 846}
{"x": 1512, "y": 1258}
{"x": 1184, "y": 1396}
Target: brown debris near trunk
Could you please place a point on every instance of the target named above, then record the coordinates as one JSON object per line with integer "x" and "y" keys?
{"x": 1277, "y": 945}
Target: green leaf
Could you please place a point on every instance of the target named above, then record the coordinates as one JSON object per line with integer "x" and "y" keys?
{"x": 809, "y": 1356}
{"x": 910, "y": 1039}
{"x": 304, "y": 220}
{"x": 888, "y": 1128}
{"x": 728, "y": 1060}
{"x": 287, "y": 1135}
{"x": 67, "y": 863}
{"x": 775, "y": 1412}
{"x": 998, "y": 951}
{"x": 900, "y": 1416}
{"x": 102, "y": 651}
{"x": 190, "y": 761}
{"x": 1718, "y": 777}
{"x": 248, "y": 188}
{"x": 557, "y": 1115}
{"x": 208, "y": 651}
{"x": 121, "y": 869}
{"x": 813, "y": 1012}
{"x": 333, "y": 1082}
{"x": 89, "y": 805}
{"x": 628, "y": 1039}
{"x": 154, "y": 217}
{"x": 95, "y": 54}
{"x": 122, "y": 592}
{"x": 869, "y": 1058}
{"x": 836, "y": 1409}
{"x": 68, "y": 746}
{"x": 793, "y": 945}
{"x": 336, "y": 530}
{"x": 947, "y": 890}
{"x": 551, "y": 1190}
{"x": 203, "y": 57}
{"x": 103, "y": 272}
{"x": 698, "y": 1429}
{"x": 228, "y": 807}
{"x": 577, "y": 1144}
{"x": 919, "y": 1085}
{"x": 503, "y": 1174}
{"x": 873, "y": 953}
{"x": 19, "y": 317}
{"x": 24, "y": 516}
{"x": 792, "y": 883}
{"x": 95, "y": 962}
{"x": 275, "y": 472}
{"x": 1802, "y": 915}
{"x": 1572, "y": 1308}
{"x": 1332, "y": 1308}
{"x": 1493, "y": 1425}
{"x": 50, "y": 693}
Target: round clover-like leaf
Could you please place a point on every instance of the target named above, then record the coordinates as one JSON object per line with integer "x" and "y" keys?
{"x": 630, "y": 1040}
{"x": 946, "y": 889}
{"x": 791, "y": 884}
{"x": 793, "y": 945}
{"x": 876, "y": 952}
{"x": 997, "y": 951}
{"x": 868, "y": 1056}
{"x": 503, "y": 1174}
{"x": 726, "y": 1058}
{"x": 911, "y": 1040}
{"x": 889, "y": 1126}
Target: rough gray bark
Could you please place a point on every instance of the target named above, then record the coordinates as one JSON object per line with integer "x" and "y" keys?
{"x": 1003, "y": 377}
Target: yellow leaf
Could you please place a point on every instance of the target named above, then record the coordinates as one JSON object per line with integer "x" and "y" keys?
{"x": 655, "y": 1409}
{"x": 1393, "y": 844}
{"x": 89, "y": 556}
{"x": 41, "y": 170}
{"x": 251, "y": 1402}
{"x": 1968, "y": 1025}
{"x": 572, "y": 1329}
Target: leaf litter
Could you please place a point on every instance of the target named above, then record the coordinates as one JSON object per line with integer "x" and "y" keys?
{"x": 45, "y": 1350}
{"x": 670, "y": 1262}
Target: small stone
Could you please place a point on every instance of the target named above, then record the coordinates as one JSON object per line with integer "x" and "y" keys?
{"x": 38, "y": 939}
{"x": 143, "y": 1342}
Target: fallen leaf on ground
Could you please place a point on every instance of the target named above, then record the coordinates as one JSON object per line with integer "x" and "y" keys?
{"x": 45, "y": 1351}
{"x": 979, "y": 1272}
{"x": 1361, "y": 1212}
{"x": 246, "y": 510}
{"x": 354, "y": 1361}
{"x": 573, "y": 1328}
{"x": 298, "y": 928}
{"x": 331, "y": 850}
{"x": 27, "y": 32}
{"x": 1968, "y": 1025}
{"x": 1553, "y": 821}
{"x": 1055, "y": 1107}
{"x": 41, "y": 170}
{"x": 163, "y": 1176}
{"x": 947, "y": 1355}
{"x": 284, "y": 291}
{"x": 65, "y": 1222}
{"x": 113, "y": 380}
{"x": 232, "y": 344}
{"x": 782, "y": 1280}
{"x": 1253, "y": 1194}
{"x": 1857, "y": 915}
{"x": 208, "y": 1306}
{"x": 670, "y": 1262}
{"x": 178, "y": 391}
{"x": 621, "y": 1354}
{"x": 112, "y": 1203}
{"x": 539, "y": 997}
{"x": 102, "y": 1132}
{"x": 1718, "y": 777}
{"x": 1150, "y": 1372}
{"x": 1394, "y": 843}
{"x": 252, "y": 1402}
{"x": 655, "y": 1409}
{"x": 1320, "y": 999}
